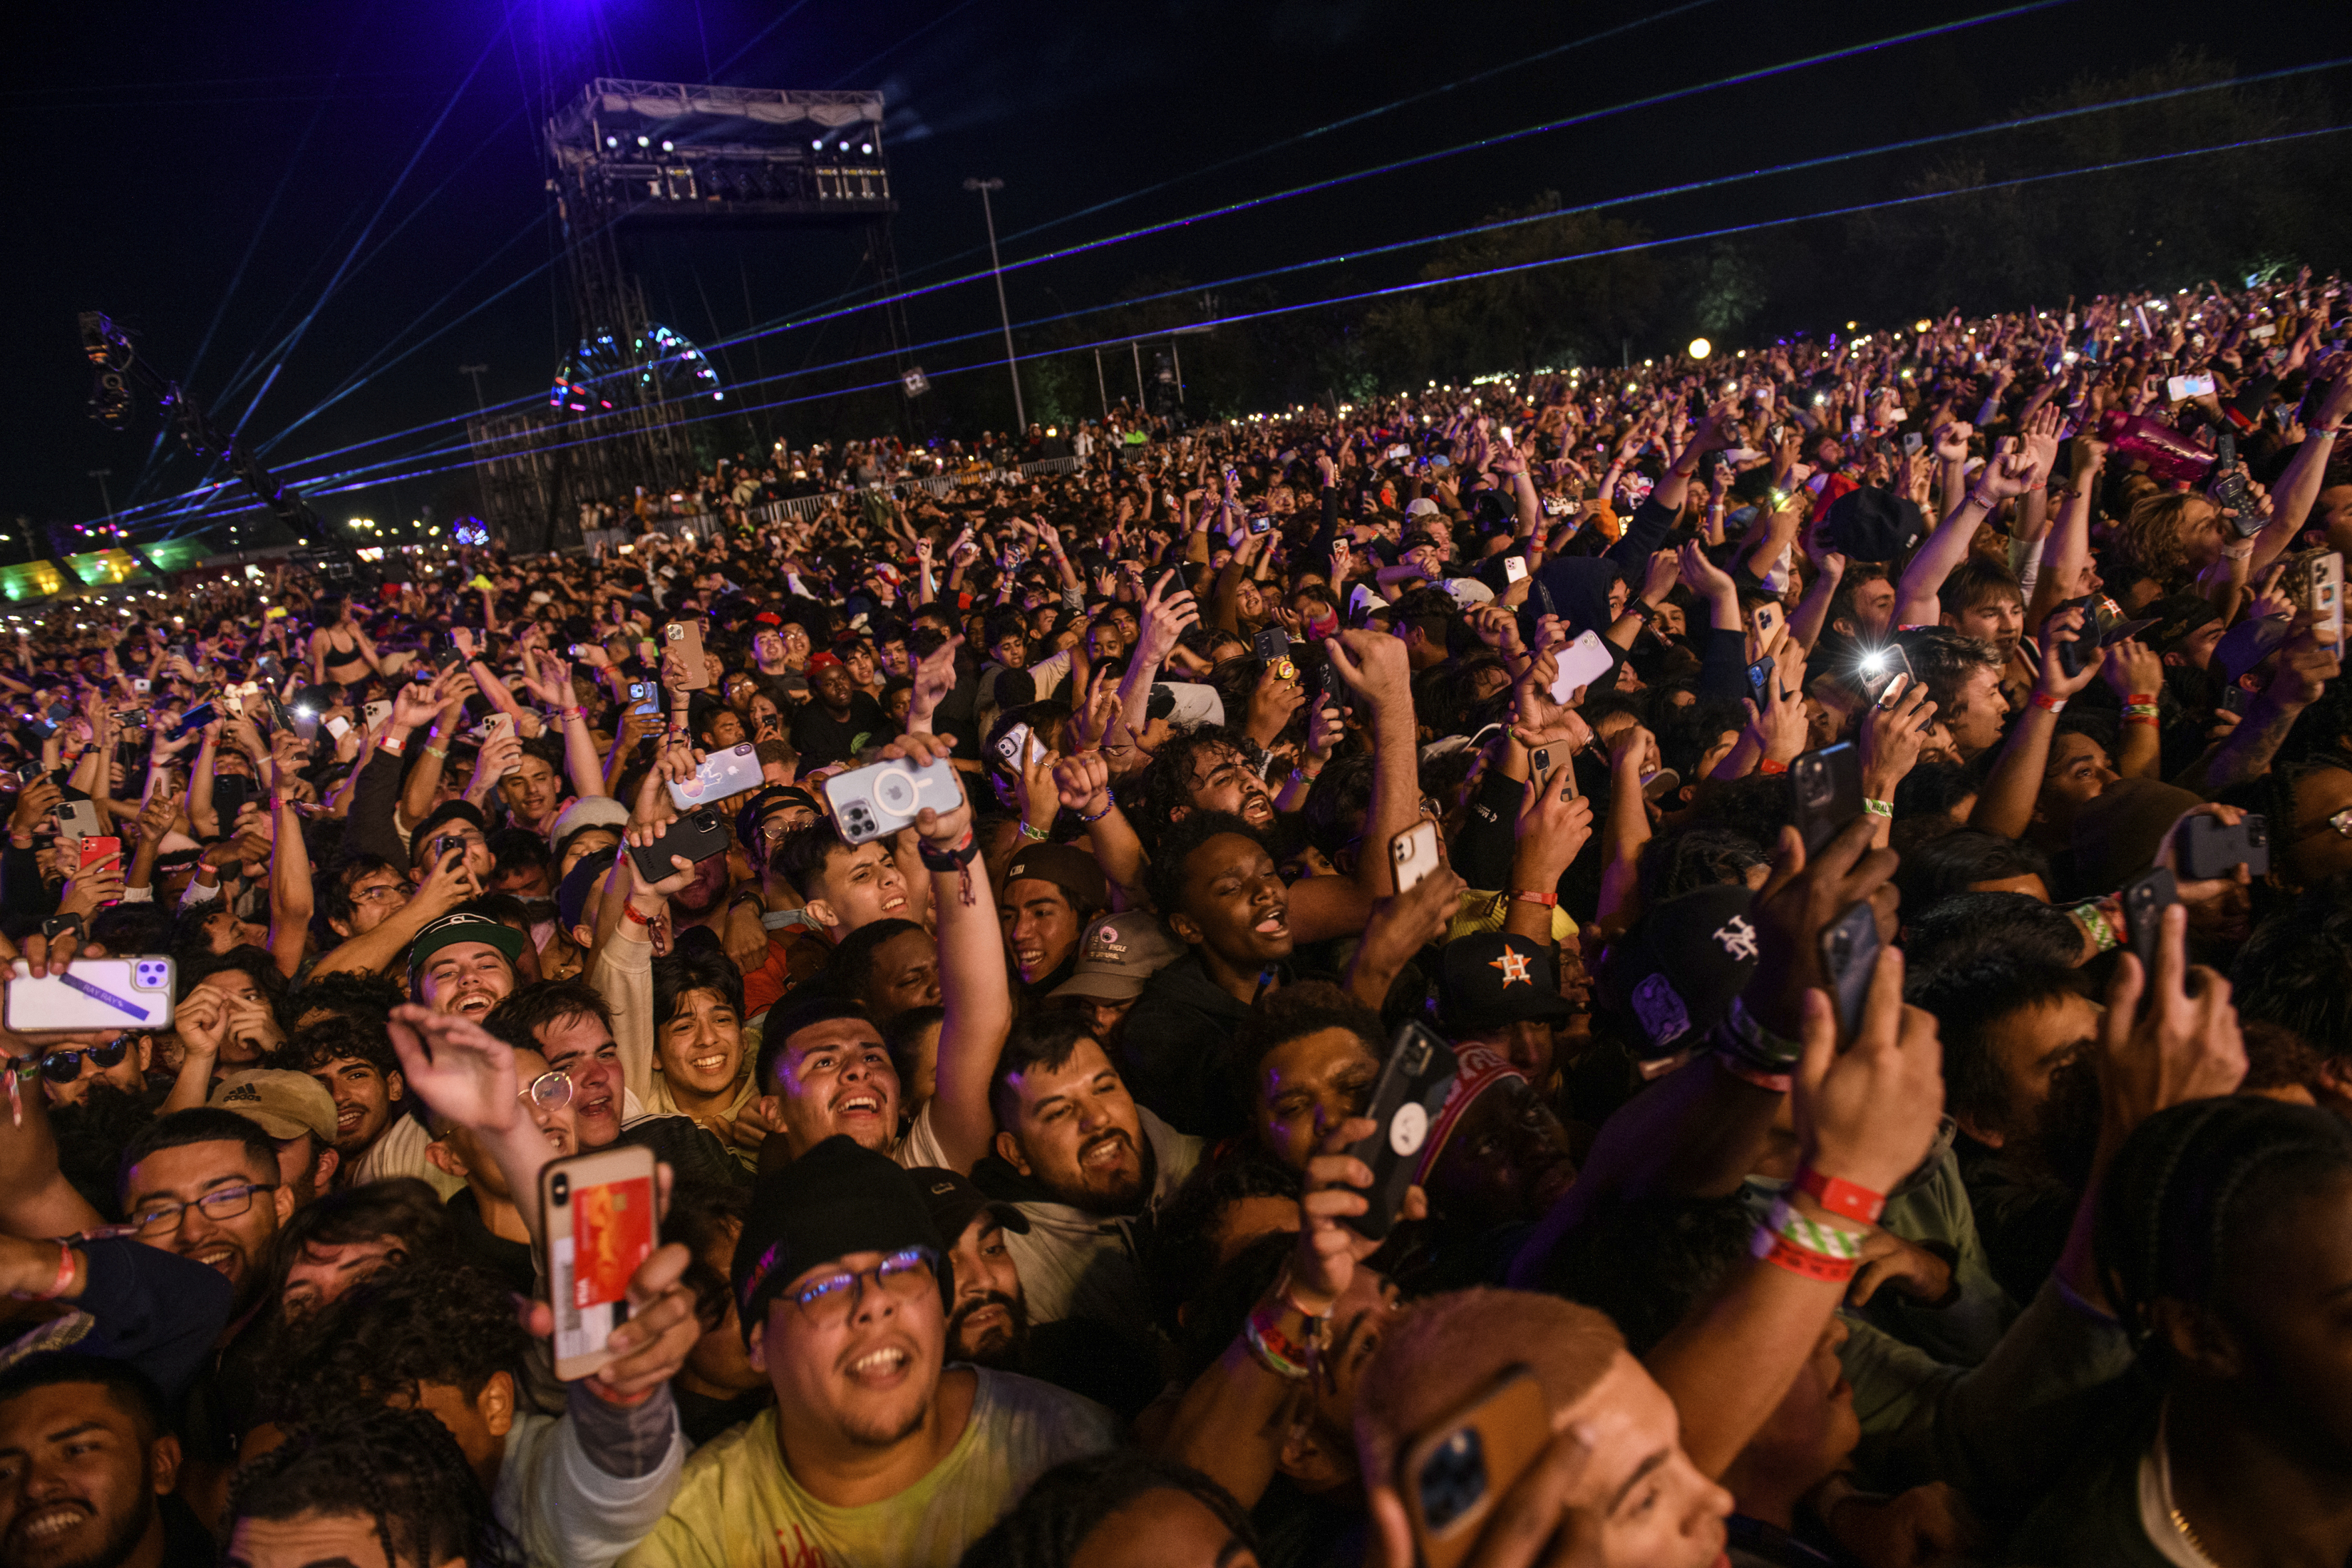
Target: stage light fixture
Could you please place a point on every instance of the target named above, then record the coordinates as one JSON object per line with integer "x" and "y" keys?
{"x": 818, "y": 143}
{"x": 866, "y": 148}
{"x": 644, "y": 141}
{"x": 669, "y": 146}
{"x": 611, "y": 141}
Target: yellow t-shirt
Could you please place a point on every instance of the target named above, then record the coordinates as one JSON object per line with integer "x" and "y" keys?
{"x": 738, "y": 1507}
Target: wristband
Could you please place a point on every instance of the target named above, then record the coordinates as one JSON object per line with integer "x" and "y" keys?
{"x": 1878, "y": 808}
{"x": 1277, "y": 1351}
{"x": 568, "y": 714}
{"x": 955, "y": 857}
{"x": 1803, "y": 1231}
{"x": 395, "y": 744}
{"x": 2138, "y": 699}
{"x": 57, "y": 1286}
{"x": 1743, "y": 1043}
{"x": 1768, "y": 767}
{"x": 2048, "y": 704}
{"x": 1840, "y": 1196}
{"x": 1779, "y": 1250}
{"x": 1033, "y": 834}
{"x": 1110, "y": 805}
{"x": 441, "y": 752}
{"x": 1772, "y": 1082}
{"x": 1527, "y": 896}
{"x": 629, "y": 912}
{"x": 1300, "y": 776}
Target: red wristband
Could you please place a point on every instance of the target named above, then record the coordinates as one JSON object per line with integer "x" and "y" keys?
{"x": 2048, "y": 704}
{"x": 1549, "y": 901}
{"x": 1767, "y": 767}
{"x": 629, "y": 911}
{"x": 1811, "y": 1265}
{"x": 1841, "y": 1197}
{"x": 60, "y": 1285}
{"x": 2140, "y": 697}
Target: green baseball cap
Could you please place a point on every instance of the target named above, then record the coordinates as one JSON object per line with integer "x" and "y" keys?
{"x": 450, "y": 930}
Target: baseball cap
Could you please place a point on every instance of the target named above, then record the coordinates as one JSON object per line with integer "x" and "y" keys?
{"x": 823, "y": 661}
{"x": 593, "y": 811}
{"x": 1118, "y": 954}
{"x": 2177, "y": 617}
{"x": 1870, "y": 523}
{"x": 1489, "y": 979}
{"x": 1680, "y": 966}
{"x": 1476, "y": 1069}
{"x": 838, "y": 1198}
{"x": 955, "y": 1203}
{"x": 571, "y": 893}
{"x": 2117, "y": 833}
{"x": 283, "y": 1104}
{"x": 1073, "y": 870}
{"x": 450, "y": 930}
{"x": 1420, "y": 506}
{"x": 768, "y": 798}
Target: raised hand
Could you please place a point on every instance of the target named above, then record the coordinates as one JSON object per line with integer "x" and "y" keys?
{"x": 1867, "y": 1115}
{"x": 458, "y": 1067}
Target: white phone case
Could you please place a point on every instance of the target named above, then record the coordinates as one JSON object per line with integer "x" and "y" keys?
{"x": 1582, "y": 663}
{"x": 93, "y": 993}
{"x": 735, "y": 771}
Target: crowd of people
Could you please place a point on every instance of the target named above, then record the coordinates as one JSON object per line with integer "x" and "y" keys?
{"x": 1744, "y": 957}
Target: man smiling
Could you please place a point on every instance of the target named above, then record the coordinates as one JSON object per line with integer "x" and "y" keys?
{"x": 87, "y": 1468}
{"x": 464, "y": 964}
{"x": 875, "y": 1451}
{"x": 204, "y": 1184}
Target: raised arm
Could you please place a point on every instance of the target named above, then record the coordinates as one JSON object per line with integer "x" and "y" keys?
{"x": 2005, "y": 804}
{"x": 974, "y": 989}
{"x": 1916, "y": 602}
{"x": 2299, "y": 484}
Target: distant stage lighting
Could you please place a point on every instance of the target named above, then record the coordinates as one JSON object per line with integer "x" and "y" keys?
{"x": 1700, "y": 348}
{"x": 669, "y": 146}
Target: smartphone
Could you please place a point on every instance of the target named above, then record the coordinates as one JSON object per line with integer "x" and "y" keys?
{"x": 1828, "y": 792}
{"x": 1411, "y": 1091}
{"x": 1582, "y": 663}
{"x": 2146, "y": 897}
{"x": 2079, "y": 654}
{"x": 338, "y": 726}
{"x": 2324, "y": 597}
{"x": 601, "y": 1226}
{"x": 1912, "y": 442}
{"x": 1413, "y": 854}
{"x": 1515, "y": 568}
{"x": 1271, "y": 644}
{"x": 230, "y": 792}
{"x": 141, "y": 685}
{"x": 374, "y": 714}
{"x": 720, "y": 776}
{"x": 93, "y": 993}
{"x": 870, "y": 802}
{"x": 686, "y": 638}
{"x": 96, "y": 848}
{"x": 1849, "y": 957}
{"x": 1759, "y": 680}
{"x": 1261, "y": 524}
{"x": 1009, "y": 746}
{"x": 1453, "y": 1476}
{"x": 193, "y": 719}
{"x": 1332, "y": 688}
{"x": 698, "y": 835}
{"x": 1881, "y": 667}
{"x": 2208, "y": 848}
{"x": 76, "y": 819}
{"x": 645, "y": 698}
{"x": 2181, "y": 388}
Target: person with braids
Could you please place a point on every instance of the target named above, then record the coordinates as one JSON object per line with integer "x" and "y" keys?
{"x": 2225, "y": 1245}
{"x": 370, "y": 1486}
{"x": 1120, "y": 1509}
{"x": 576, "y": 1489}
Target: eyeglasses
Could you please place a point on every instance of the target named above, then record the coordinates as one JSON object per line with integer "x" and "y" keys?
{"x": 64, "y": 1066}
{"x": 395, "y": 892}
{"x": 828, "y": 1301}
{"x": 222, "y": 1202}
{"x": 548, "y": 1091}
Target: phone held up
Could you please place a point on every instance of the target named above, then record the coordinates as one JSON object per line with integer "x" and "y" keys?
{"x": 883, "y": 797}
{"x": 598, "y": 1209}
{"x": 1413, "y": 854}
{"x": 1828, "y": 786}
{"x": 1457, "y": 1473}
{"x": 1411, "y": 1091}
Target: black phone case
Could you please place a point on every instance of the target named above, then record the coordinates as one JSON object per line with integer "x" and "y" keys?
{"x": 1273, "y": 643}
{"x": 1412, "y": 1090}
{"x": 2146, "y": 897}
{"x": 1828, "y": 788}
{"x": 1760, "y": 680}
{"x": 2210, "y": 848}
{"x": 698, "y": 835}
{"x": 1849, "y": 958}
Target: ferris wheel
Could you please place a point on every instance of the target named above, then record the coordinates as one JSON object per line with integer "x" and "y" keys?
{"x": 596, "y": 376}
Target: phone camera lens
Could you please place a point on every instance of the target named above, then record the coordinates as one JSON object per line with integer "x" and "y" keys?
{"x": 559, "y": 1190}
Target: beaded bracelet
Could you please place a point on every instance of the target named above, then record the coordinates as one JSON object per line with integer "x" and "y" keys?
{"x": 1110, "y": 805}
{"x": 1276, "y": 1350}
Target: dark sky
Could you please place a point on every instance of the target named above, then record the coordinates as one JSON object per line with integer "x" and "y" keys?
{"x": 199, "y": 172}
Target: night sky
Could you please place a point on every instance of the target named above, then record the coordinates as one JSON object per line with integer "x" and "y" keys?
{"x": 200, "y": 172}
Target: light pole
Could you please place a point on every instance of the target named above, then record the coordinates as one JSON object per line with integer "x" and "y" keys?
{"x": 1020, "y": 417}
{"x": 101, "y": 476}
{"x": 477, "y": 372}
